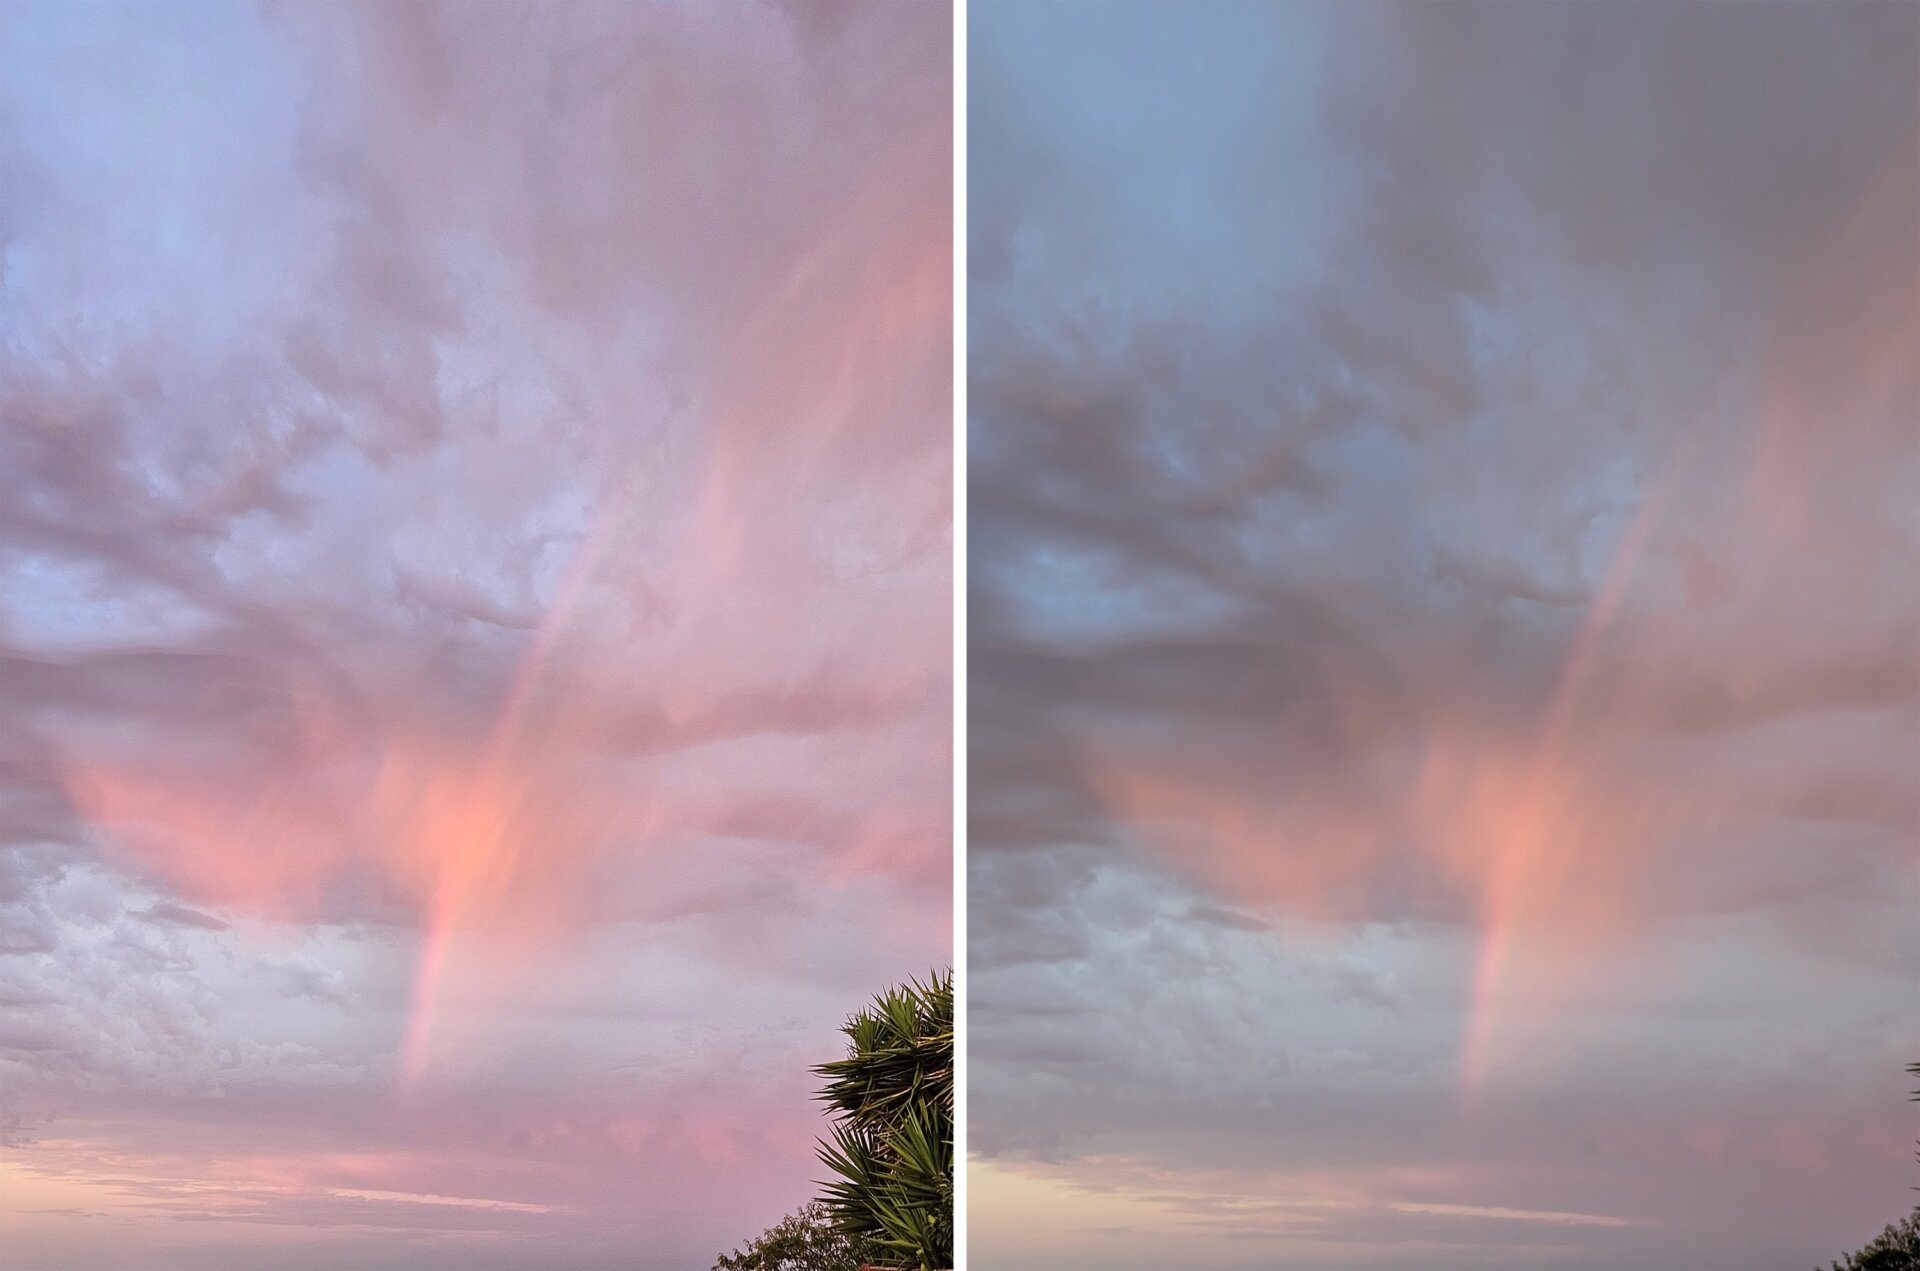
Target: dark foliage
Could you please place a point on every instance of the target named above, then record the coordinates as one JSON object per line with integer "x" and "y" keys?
{"x": 892, "y": 1145}
{"x": 1895, "y": 1249}
{"x": 805, "y": 1240}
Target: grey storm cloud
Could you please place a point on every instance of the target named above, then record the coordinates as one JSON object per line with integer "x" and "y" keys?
{"x": 1444, "y": 699}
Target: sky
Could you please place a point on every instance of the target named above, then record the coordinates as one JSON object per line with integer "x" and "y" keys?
{"x": 475, "y": 611}
{"x": 1444, "y": 682}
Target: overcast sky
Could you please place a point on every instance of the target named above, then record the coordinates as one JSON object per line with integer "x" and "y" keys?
{"x": 1445, "y": 777}
{"x": 474, "y": 619}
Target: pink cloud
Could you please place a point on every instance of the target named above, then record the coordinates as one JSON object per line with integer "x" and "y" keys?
{"x": 474, "y": 535}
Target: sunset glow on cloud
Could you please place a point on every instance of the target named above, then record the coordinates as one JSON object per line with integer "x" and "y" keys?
{"x": 474, "y": 618}
{"x": 1446, "y": 634}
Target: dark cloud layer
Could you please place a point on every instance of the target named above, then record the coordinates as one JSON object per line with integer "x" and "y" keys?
{"x": 1445, "y": 682}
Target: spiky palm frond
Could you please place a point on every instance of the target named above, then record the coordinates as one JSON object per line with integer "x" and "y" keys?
{"x": 892, "y": 1148}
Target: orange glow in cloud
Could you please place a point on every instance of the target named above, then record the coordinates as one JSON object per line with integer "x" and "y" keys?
{"x": 1548, "y": 824}
{"x": 1534, "y": 830}
{"x": 496, "y": 839}
{"x": 494, "y": 851}
{"x": 851, "y": 335}
{"x": 476, "y": 622}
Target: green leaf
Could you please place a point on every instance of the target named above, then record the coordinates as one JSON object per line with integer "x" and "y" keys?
{"x": 891, "y": 1148}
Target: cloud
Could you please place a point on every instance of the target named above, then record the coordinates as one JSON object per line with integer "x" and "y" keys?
{"x": 464, "y": 479}
{"x": 1437, "y": 485}
{"x": 168, "y": 912}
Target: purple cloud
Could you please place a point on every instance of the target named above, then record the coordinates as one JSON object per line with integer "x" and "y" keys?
{"x": 474, "y": 576}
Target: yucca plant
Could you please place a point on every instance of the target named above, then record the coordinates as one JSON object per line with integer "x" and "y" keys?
{"x": 892, "y": 1144}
